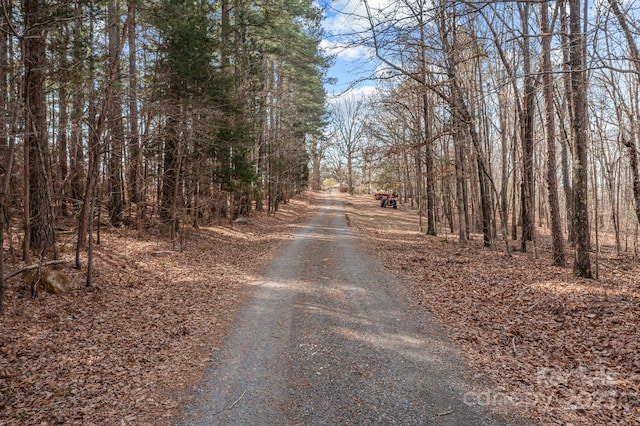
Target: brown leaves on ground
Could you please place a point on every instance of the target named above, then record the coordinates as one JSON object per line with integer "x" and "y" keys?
{"x": 560, "y": 349}
{"x": 128, "y": 351}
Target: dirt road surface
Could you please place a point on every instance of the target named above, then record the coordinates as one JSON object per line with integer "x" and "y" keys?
{"x": 330, "y": 338}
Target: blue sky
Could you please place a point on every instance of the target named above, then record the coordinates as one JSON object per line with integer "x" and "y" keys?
{"x": 352, "y": 63}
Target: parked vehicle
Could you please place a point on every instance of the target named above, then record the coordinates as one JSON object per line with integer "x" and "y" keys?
{"x": 380, "y": 195}
{"x": 388, "y": 200}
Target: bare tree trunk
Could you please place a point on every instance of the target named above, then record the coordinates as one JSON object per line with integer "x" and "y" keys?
{"x": 5, "y": 177}
{"x": 93, "y": 163}
{"x": 90, "y": 188}
{"x": 116, "y": 127}
{"x": 430, "y": 168}
{"x": 62, "y": 183}
{"x": 504, "y": 150}
{"x": 36, "y": 146}
{"x": 170, "y": 167}
{"x": 526, "y": 121}
{"x": 7, "y": 147}
{"x": 461, "y": 182}
{"x": 316, "y": 156}
{"x": 582, "y": 262}
{"x": 89, "y": 278}
{"x": 419, "y": 198}
{"x": 566, "y": 185}
{"x": 2, "y": 213}
{"x": 485, "y": 203}
{"x": 635, "y": 174}
{"x": 77, "y": 113}
{"x": 557, "y": 238}
{"x": 566, "y": 132}
{"x": 135, "y": 157}
{"x": 4, "y": 90}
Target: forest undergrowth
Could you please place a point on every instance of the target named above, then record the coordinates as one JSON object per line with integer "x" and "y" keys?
{"x": 560, "y": 349}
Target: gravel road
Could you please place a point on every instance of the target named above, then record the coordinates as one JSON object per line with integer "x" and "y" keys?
{"x": 330, "y": 338}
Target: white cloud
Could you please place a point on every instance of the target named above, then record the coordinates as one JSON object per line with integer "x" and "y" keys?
{"x": 350, "y": 16}
{"x": 357, "y": 93}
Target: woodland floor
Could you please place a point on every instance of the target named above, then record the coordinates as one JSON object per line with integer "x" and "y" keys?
{"x": 128, "y": 352}
{"x": 563, "y": 350}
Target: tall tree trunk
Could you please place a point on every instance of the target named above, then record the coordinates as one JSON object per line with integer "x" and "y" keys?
{"x": 557, "y": 237}
{"x": 116, "y": 127}
{"x": 430, "y": 168}
{"x": 504, "y": 150}
{"x": 582, "y": 262}
{"x": 62, "y": 192}
{"x": 4, "y": 90}
{"x": 2, "y": 203}
{"x": 426, "y": 123}
{"x": 461, "y": 181}
{"x": 76, "y": 151}
{"x": 135, "y": 154}
{"x": 316, "y": 157}
{"x": 419, "y": 185}
{"x": 94, "y": 154}
{"x": 40, "y": 214}
{"x": 170, "y": 167}
{"x": 566, "y": 182}
{"x": 6, "y": 150}
{"x": 485, "y": 203}
{"x": 566, "y": 132}
{"x": 5, "y": 177}
{"x": 526, "y": 122}
{"x": 515, "y": 189}
{"x": 350, "y": 156}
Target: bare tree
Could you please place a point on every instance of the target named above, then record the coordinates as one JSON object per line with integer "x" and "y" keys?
{"x": 390, "y": 31}
{"x": 348, "y": 132}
